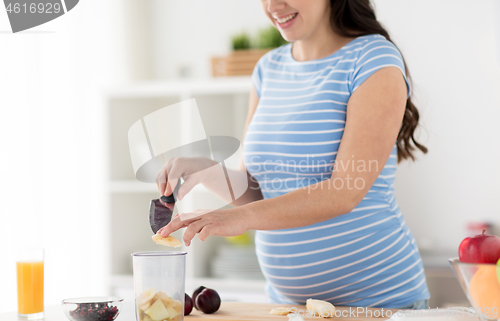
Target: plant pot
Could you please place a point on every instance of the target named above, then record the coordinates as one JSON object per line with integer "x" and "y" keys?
{"x": 237, "y": 63}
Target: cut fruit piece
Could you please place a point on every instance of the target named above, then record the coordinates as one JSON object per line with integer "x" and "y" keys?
{"x": 280, "y": 311}
{"x": 145, "y": 299}
{"x": 172, "y": 312}
{"x": 320, "y": 308}
{"x": 140, "y": 314}
{"x": 145, "y": 306}
{"x": 295, "y": 317}
{"x": 147, "y": 318}
{"x": 166, "y": 241}
{"x": 157, "y": 311}
{"x": 165, "y": 299}
{"x": 177, "y": 306}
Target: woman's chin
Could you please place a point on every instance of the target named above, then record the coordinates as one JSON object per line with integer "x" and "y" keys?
{"x": 289, "y": 36}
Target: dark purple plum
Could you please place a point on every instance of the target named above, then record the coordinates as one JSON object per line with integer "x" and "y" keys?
{"x": 188, "y": 304}
{"x": 208, "y": 301}
{"x": 195, "y": 294}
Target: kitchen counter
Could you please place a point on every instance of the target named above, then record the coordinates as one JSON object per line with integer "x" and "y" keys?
{"x": 236, "y": 311}
{"x": 233, "y": 311}
{"x": 228, "y": 311}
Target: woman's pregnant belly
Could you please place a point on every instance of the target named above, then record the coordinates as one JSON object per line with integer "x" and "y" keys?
{"x": 364, "y": 258}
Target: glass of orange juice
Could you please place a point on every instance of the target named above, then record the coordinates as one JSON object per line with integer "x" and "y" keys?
{"x": 30, "y": 283}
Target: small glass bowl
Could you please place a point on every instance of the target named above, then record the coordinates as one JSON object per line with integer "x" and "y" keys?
{"x": 104, "y": 308}
{"x": 481, "y": 285}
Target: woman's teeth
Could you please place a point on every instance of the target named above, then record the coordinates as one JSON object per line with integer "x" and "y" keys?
{"x": 287, "y": 18}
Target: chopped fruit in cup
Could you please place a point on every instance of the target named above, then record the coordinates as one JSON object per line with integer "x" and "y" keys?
{"x": 145, "y": 300}
{"x": 158, "y": 306}
{"x": 157, "y": 311}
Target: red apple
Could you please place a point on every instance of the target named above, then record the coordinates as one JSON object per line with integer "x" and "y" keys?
{"x": 480, "y": 249}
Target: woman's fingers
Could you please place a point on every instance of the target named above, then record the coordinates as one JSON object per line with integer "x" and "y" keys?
{"x": 193, "y": 229}
{"x": 205, "y": 232}
{"x": 161, "y": 181}
{"x": 176, "y": 167}
{"x": 192, "y": 221}
{"x": 193, "y": 215}
{"x": 189, "y": 183}
{"x": 173, "y": 226}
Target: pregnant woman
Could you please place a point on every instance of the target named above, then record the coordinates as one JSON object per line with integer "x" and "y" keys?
{"x": 330, "y": 116}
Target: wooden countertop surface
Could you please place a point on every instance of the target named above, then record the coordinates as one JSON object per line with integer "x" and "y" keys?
{"x": 232, "y": 311}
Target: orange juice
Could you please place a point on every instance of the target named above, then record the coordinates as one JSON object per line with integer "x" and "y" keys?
{"x": 30, "y": 287}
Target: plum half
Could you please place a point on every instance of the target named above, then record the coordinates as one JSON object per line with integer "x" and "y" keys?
{"x": 159, "y": 214}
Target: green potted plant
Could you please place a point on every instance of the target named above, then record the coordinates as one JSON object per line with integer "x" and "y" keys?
{"x": 241, "y": 41}
{"x": 246, "y": 52}
{"x": 269, "y": 38}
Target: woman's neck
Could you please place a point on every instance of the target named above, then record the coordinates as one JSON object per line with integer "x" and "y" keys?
{"x": 321, "y": 44}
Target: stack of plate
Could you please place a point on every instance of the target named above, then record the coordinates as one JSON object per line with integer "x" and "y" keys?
{"x": 231, "y": 262}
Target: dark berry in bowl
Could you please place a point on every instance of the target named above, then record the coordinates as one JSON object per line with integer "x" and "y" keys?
{"x": 92, "y": 308}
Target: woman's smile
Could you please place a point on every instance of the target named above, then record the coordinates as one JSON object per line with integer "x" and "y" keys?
{"x": 285, "y": 21}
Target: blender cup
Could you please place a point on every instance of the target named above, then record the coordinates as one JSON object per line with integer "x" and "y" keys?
{"x": 159, "y": 279}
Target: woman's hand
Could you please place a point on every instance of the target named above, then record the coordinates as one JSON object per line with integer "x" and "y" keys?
{"x": 192, "y": 169}
{"x": 226, "y": 222}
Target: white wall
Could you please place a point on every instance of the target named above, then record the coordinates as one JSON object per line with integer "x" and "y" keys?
{"x": 451, "y": 47}
{"x": 51, "y": 148}
{"x": 187, "y": 33}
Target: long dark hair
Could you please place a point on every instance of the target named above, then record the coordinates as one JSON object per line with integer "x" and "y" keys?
{"x": 353, "y": 18}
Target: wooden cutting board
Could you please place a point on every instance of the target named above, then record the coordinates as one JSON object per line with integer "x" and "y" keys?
{"x": 235, "y": 311}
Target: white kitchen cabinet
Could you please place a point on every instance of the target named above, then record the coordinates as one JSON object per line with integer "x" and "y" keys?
{"x": 223, "y": 106}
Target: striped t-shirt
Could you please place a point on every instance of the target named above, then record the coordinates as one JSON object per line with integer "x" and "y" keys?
{"x": 364, "y": 258}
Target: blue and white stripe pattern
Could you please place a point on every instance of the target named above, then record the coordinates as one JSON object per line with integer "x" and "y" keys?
{"x": 365, "y": 258}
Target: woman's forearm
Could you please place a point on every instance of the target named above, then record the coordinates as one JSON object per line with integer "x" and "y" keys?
{"x": 218, "y": 184}
{"x": 313, "y": 204}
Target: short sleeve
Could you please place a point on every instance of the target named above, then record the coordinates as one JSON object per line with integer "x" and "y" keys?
{"x": 257, "y": 75}
{"x": 375, "y": 56}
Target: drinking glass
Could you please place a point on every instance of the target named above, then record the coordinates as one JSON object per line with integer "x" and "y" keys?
{"x": 30, "y": 283}
{"x": 159, "y": 279}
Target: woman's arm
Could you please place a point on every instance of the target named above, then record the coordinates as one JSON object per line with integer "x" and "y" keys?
{"x": 374, "y": 115}
{"x": 196, "y": 170}
{"x": 253, "y": 192}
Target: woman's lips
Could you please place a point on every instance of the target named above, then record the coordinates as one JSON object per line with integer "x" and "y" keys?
{"x": 289, "y": 20}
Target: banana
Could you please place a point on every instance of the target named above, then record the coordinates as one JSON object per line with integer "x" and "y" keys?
{"x": 321, "y": 308}
{"x": 166, "y": 241}
{"x": 280, "y": 311}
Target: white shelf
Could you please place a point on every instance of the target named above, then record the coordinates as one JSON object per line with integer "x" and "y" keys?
{"x": 222, "y": 102}
{"x": 188, "y": 88}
